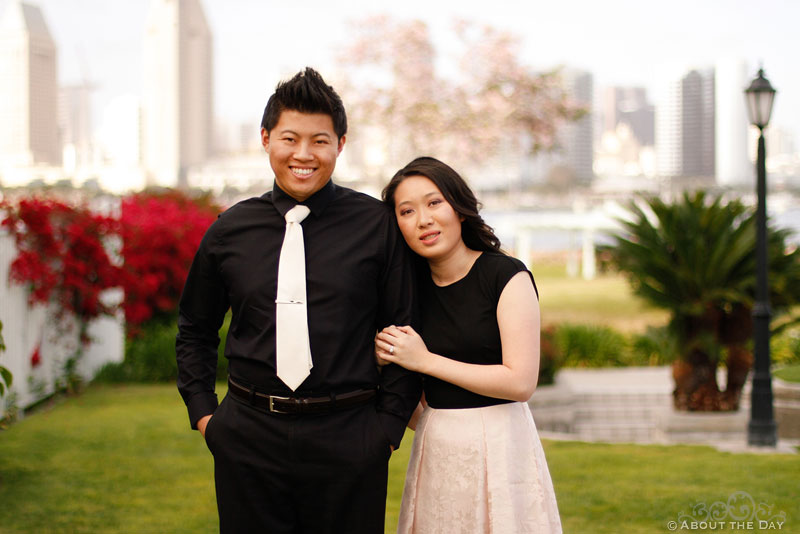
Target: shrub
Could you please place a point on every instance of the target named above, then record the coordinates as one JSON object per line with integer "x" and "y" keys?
{"x": 160, "y": 235}
{"x": 150, "y": 356}
{"x": 113, "y": 373}
{"x": 655, "y": 347}
{"x": 591, "y": 346}
{"x": 549, "y": 356}
{"x": 785, "y": 347}
{"x": 62, "y": 256}
{"x": 574, "y": 345}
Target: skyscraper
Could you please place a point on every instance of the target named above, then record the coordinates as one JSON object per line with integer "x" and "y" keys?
{"x": 74, "y": 124}
{"x": 578, "y": 136}
{"x": 685, "y": 126}
{"x": 629, "y": 105}
{"x": 28, "y": 89}
{"x": 733, "y": 164}
{"x": 177, "y": 101}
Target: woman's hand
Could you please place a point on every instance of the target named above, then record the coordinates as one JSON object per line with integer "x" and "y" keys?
{"x": 403, "y": 346}
{"x": 379, "y": 353}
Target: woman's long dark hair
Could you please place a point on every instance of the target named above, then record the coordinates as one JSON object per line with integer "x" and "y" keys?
{"x": 476, "y": 234}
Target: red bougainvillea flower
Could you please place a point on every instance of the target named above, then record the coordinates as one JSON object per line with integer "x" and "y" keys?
{"x": 64, "y": 256}
{"x": 160, "y": 235}
{"x": 36, "y": 357}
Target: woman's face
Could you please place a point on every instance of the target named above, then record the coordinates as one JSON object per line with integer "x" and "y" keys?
{"x": 429, "y": 224}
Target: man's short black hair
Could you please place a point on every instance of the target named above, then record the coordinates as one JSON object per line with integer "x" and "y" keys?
{"x": 306, "y": 92}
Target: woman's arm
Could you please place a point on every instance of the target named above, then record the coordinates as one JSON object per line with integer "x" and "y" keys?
{"x": 514, "y": 379}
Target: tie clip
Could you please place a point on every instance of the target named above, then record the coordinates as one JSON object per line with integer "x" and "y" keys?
{"x": 278, "y": 301}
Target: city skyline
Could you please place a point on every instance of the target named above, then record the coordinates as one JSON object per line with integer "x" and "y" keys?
{"x": 30, "y": 89}
{"x": 621, "y": 42}
{"x": 177, "y": 104}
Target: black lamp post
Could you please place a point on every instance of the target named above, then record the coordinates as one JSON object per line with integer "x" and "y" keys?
{"x": 762, "y": 429}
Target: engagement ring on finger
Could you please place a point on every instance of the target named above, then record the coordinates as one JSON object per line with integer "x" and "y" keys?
{"x": 391, "y": 349}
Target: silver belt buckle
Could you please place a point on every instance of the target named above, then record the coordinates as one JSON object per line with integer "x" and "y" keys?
{"x": 272, "y": 404}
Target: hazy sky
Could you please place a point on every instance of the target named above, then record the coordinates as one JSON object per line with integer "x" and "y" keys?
{"x": 258, "y": 42}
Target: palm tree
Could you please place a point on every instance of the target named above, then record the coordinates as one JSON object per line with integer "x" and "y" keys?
{"x": 696, "y": 258}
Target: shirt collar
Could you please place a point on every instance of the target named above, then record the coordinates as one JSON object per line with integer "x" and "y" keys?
{"x": 316, "y": 202}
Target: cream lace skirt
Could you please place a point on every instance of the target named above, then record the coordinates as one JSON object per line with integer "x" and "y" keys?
{"x": 478, "y": 470}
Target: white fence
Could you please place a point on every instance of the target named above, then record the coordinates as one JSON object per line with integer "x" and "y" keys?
{"x": 30, "y": 329}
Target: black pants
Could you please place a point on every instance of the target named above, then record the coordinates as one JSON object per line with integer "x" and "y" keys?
{"x": 293, "y": 474}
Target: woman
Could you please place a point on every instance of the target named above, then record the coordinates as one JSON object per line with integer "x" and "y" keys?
{"x": 477, "y": 464}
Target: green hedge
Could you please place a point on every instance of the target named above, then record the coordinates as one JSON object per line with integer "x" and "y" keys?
{"x": 785, "y": 348}
{"x": 590, "y": 346}
{"x": 579, "y": 345}
{"x": 550, "y": 356}
{"x": 150, "y": 356}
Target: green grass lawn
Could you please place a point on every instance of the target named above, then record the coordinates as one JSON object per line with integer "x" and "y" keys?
{"x": 607, "y": 300}
{"x": 790, "y": 373}
{"x": 122, "y": 460}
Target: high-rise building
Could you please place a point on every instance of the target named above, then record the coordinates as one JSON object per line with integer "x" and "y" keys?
{"x": 669, "y": 127}
{"x": 629, "y": 105}
{"x": 28, "y": 89}
{"x": 578, "y": 138}
{"x": 572, "y": 162}
{"x": 697, "y": 113}
{"x": 177, "y": 101}
{"x": 74, "y": 125}
{"x": 685, "y": 126}
{"x": 732, "y": 159}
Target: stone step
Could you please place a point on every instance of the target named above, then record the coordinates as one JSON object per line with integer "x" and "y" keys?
{"x": 608, "y": 413}
{"x": 635, "y": 432}
{"x": 635, "y": 405}
{"x": 786, "y": 390}
{"x": 625, "y": 399}
{"x": 699, "y": 427}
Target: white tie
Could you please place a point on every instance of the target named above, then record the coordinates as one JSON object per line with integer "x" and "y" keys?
{"x": 291, "y": 338}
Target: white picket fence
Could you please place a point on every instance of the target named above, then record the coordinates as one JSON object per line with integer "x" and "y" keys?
{"x": 28, "y": 328}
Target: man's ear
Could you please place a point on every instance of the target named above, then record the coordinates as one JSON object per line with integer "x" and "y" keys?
{"x": 342, "y": 139}
{"x": 265, "y": 139}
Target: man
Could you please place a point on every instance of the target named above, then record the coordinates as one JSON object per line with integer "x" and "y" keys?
{"x": 301, "y": 441}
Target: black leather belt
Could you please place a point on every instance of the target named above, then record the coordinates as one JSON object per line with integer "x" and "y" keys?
{"x": 300, "y": 405}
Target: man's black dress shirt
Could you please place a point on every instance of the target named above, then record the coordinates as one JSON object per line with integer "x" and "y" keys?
{"x": 359, "y": 279}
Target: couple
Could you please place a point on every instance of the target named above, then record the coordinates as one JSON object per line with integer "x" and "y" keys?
{"x": 311, "y": 271}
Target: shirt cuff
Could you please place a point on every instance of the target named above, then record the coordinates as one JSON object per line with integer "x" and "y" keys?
{"x": 200, "y": 405}
{"x": 394, "y": 427}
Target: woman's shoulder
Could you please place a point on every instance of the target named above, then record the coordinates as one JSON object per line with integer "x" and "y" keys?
{"x": 498, "y": 261}
{"x": 498, "y": 268}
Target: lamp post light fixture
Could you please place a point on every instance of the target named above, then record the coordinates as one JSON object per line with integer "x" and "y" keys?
{"x": 761, "y": 430}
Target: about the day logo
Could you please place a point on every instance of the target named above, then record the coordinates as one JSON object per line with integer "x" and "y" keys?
{"x": 739, "y": 512}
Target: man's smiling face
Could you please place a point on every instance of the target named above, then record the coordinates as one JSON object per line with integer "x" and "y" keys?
{"x": 302, "y": 149}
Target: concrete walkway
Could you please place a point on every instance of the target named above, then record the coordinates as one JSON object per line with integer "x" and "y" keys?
{"x": 634, "y": 405}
